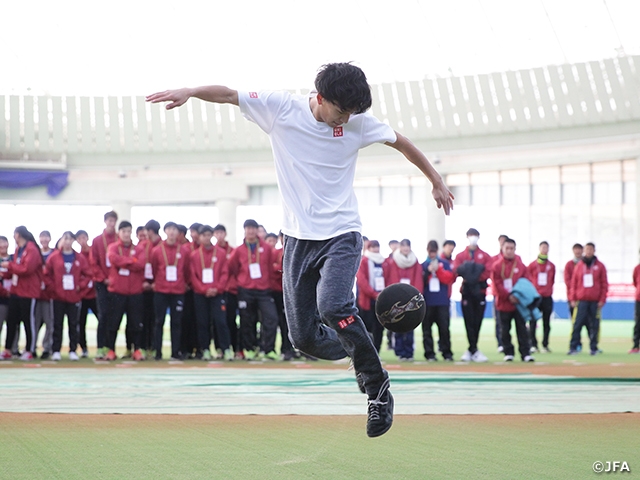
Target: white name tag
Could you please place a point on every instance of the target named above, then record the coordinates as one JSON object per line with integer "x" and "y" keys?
{"x": 378, "y": 284}
{"x": 207, "y": 275}
{"x": 405, "y": 280}
{"x": 542, "y": 279}
{"x": 148, "y": 271}
{"x": 171, "y": 273}
{"x": 14, "y": 280}
{"x": 587, "y": 280}
{"x": 124, "y": 272}
{"x": 107, "y": 262}
{"x": 67, "y": 282}
{"x": 6, "y": 283}
{"x": 508, "y": 284}
{"x": 254, "y": 271}
{"x": 434, "y": 284}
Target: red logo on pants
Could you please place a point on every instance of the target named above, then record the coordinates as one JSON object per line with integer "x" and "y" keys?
{"x": 345, "y": 322}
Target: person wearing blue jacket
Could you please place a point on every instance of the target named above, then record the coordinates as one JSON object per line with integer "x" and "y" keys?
{"x": 438, "y": 277}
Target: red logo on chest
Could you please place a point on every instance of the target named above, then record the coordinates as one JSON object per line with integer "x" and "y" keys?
{"x": 253, "y": 94}
{"x": 337, "y": 131}
{"x": 345, "y": 322}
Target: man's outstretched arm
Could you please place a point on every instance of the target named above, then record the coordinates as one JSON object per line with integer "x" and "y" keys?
{"x": 213, "y": 93}
{"x": 441, "y": 194}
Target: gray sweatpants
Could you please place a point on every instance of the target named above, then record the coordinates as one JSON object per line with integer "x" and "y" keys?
{"x": 44, "y": 316}
{"x": 320, "y": 306}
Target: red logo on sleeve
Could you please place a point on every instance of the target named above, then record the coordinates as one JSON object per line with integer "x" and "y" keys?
{"x": 345, "y": 322}
{"x": 253, "y": 94}
{"x": 337, "y": 131}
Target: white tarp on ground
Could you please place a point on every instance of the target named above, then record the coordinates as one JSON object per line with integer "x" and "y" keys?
{"x": 178, "y": 390}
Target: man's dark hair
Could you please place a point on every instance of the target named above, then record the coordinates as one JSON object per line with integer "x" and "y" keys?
{"x": 124, "y": 224}
{"x": 139, "y": 229}
{"x": 2, "y": 237}
{"x": 544, "y": 242}
{"x": 271, "y": 235}
{"x": 45, "y": 233}
{"x": 111, "y": 214}
{"x": 391, "y": 242}
{"x": 591, "y": 244}
{"x": 195, "y": 226}
{"x": 219, "y": 228}
{"x": 510, "y": 240}
{"x": 577, "y": 245}
{"x": 344, "y": 85}
{"x": 153, "y": 225}
{"x": 449, "y": 242}
{"x": 82, "y": 232}
{"x": 405, "y": 242}
{"x": 182, "y": 229}
{"x": 432, "y": 246}
{"x": 205, "y": 228}
{"x": 502, "y": 237}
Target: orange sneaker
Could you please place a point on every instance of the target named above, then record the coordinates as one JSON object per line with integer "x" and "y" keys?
{"x": 138, "y": 356}
{"x": 110, "y": 356}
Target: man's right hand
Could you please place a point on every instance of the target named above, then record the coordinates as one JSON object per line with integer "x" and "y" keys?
{"x": 176, "y": 97}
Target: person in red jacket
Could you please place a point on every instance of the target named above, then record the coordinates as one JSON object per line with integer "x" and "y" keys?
{"x": 25, "y": 271}
{"x": 542, "y": 274}
{"x": 231, "y": 294}
{"x": 371, "y": 281}
{"x": 100, "y": 265}
{"x": 474, "y": 266}
{"x": 67, "y": 274}
{"x": 126, "y": 276}
{"x": 403, "y": 267}
{"x": 505, "y": 272}
{"x": 169, "y": 287}
{"x": 252, "y": 265}
{"x": 208, "y": 278}
{"x": 589, "y": 287}
{"x": 636, "y": 327}
{"x": 568, "y": 272}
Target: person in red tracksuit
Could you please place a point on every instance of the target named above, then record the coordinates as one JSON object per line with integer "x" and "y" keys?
{"x": 100, "y": 265}
{"x": 370, "y": 280}
{"x": 636, "y": 328}
{"x": 542, "y": 274}
{"x": 67, "y": 274}
{"x": 589, "y": 287}
{"x": 505, "y": 273}
{"x": 231, "y": 294}
{"x": 208, "y": 278}
{"x": 168, "y": 287}
{"x": 88, "y": 294}
{"x": 474, "y": 289}
{"x": 126, "y": 276}
{"x": 568, "y": 272}
{"x": 252, "y": 265}
{"x": 403, "y": 267}
{"x": 25, "y": 271}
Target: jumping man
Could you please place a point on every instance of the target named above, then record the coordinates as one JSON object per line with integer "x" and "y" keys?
{"x": 315, "y": 141}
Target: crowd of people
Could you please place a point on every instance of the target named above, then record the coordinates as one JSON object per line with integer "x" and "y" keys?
{"x": 205, "y": 284}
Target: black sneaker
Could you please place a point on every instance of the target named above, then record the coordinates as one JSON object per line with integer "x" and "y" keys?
{"x": 380, "y": 414}
{"x": 45, "y": 355}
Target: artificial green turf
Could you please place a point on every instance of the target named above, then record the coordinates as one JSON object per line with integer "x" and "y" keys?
{"x": 289, "y": 447}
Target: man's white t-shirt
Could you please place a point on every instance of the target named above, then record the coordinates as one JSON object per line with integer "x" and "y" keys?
{"x": 315, "y": 163}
